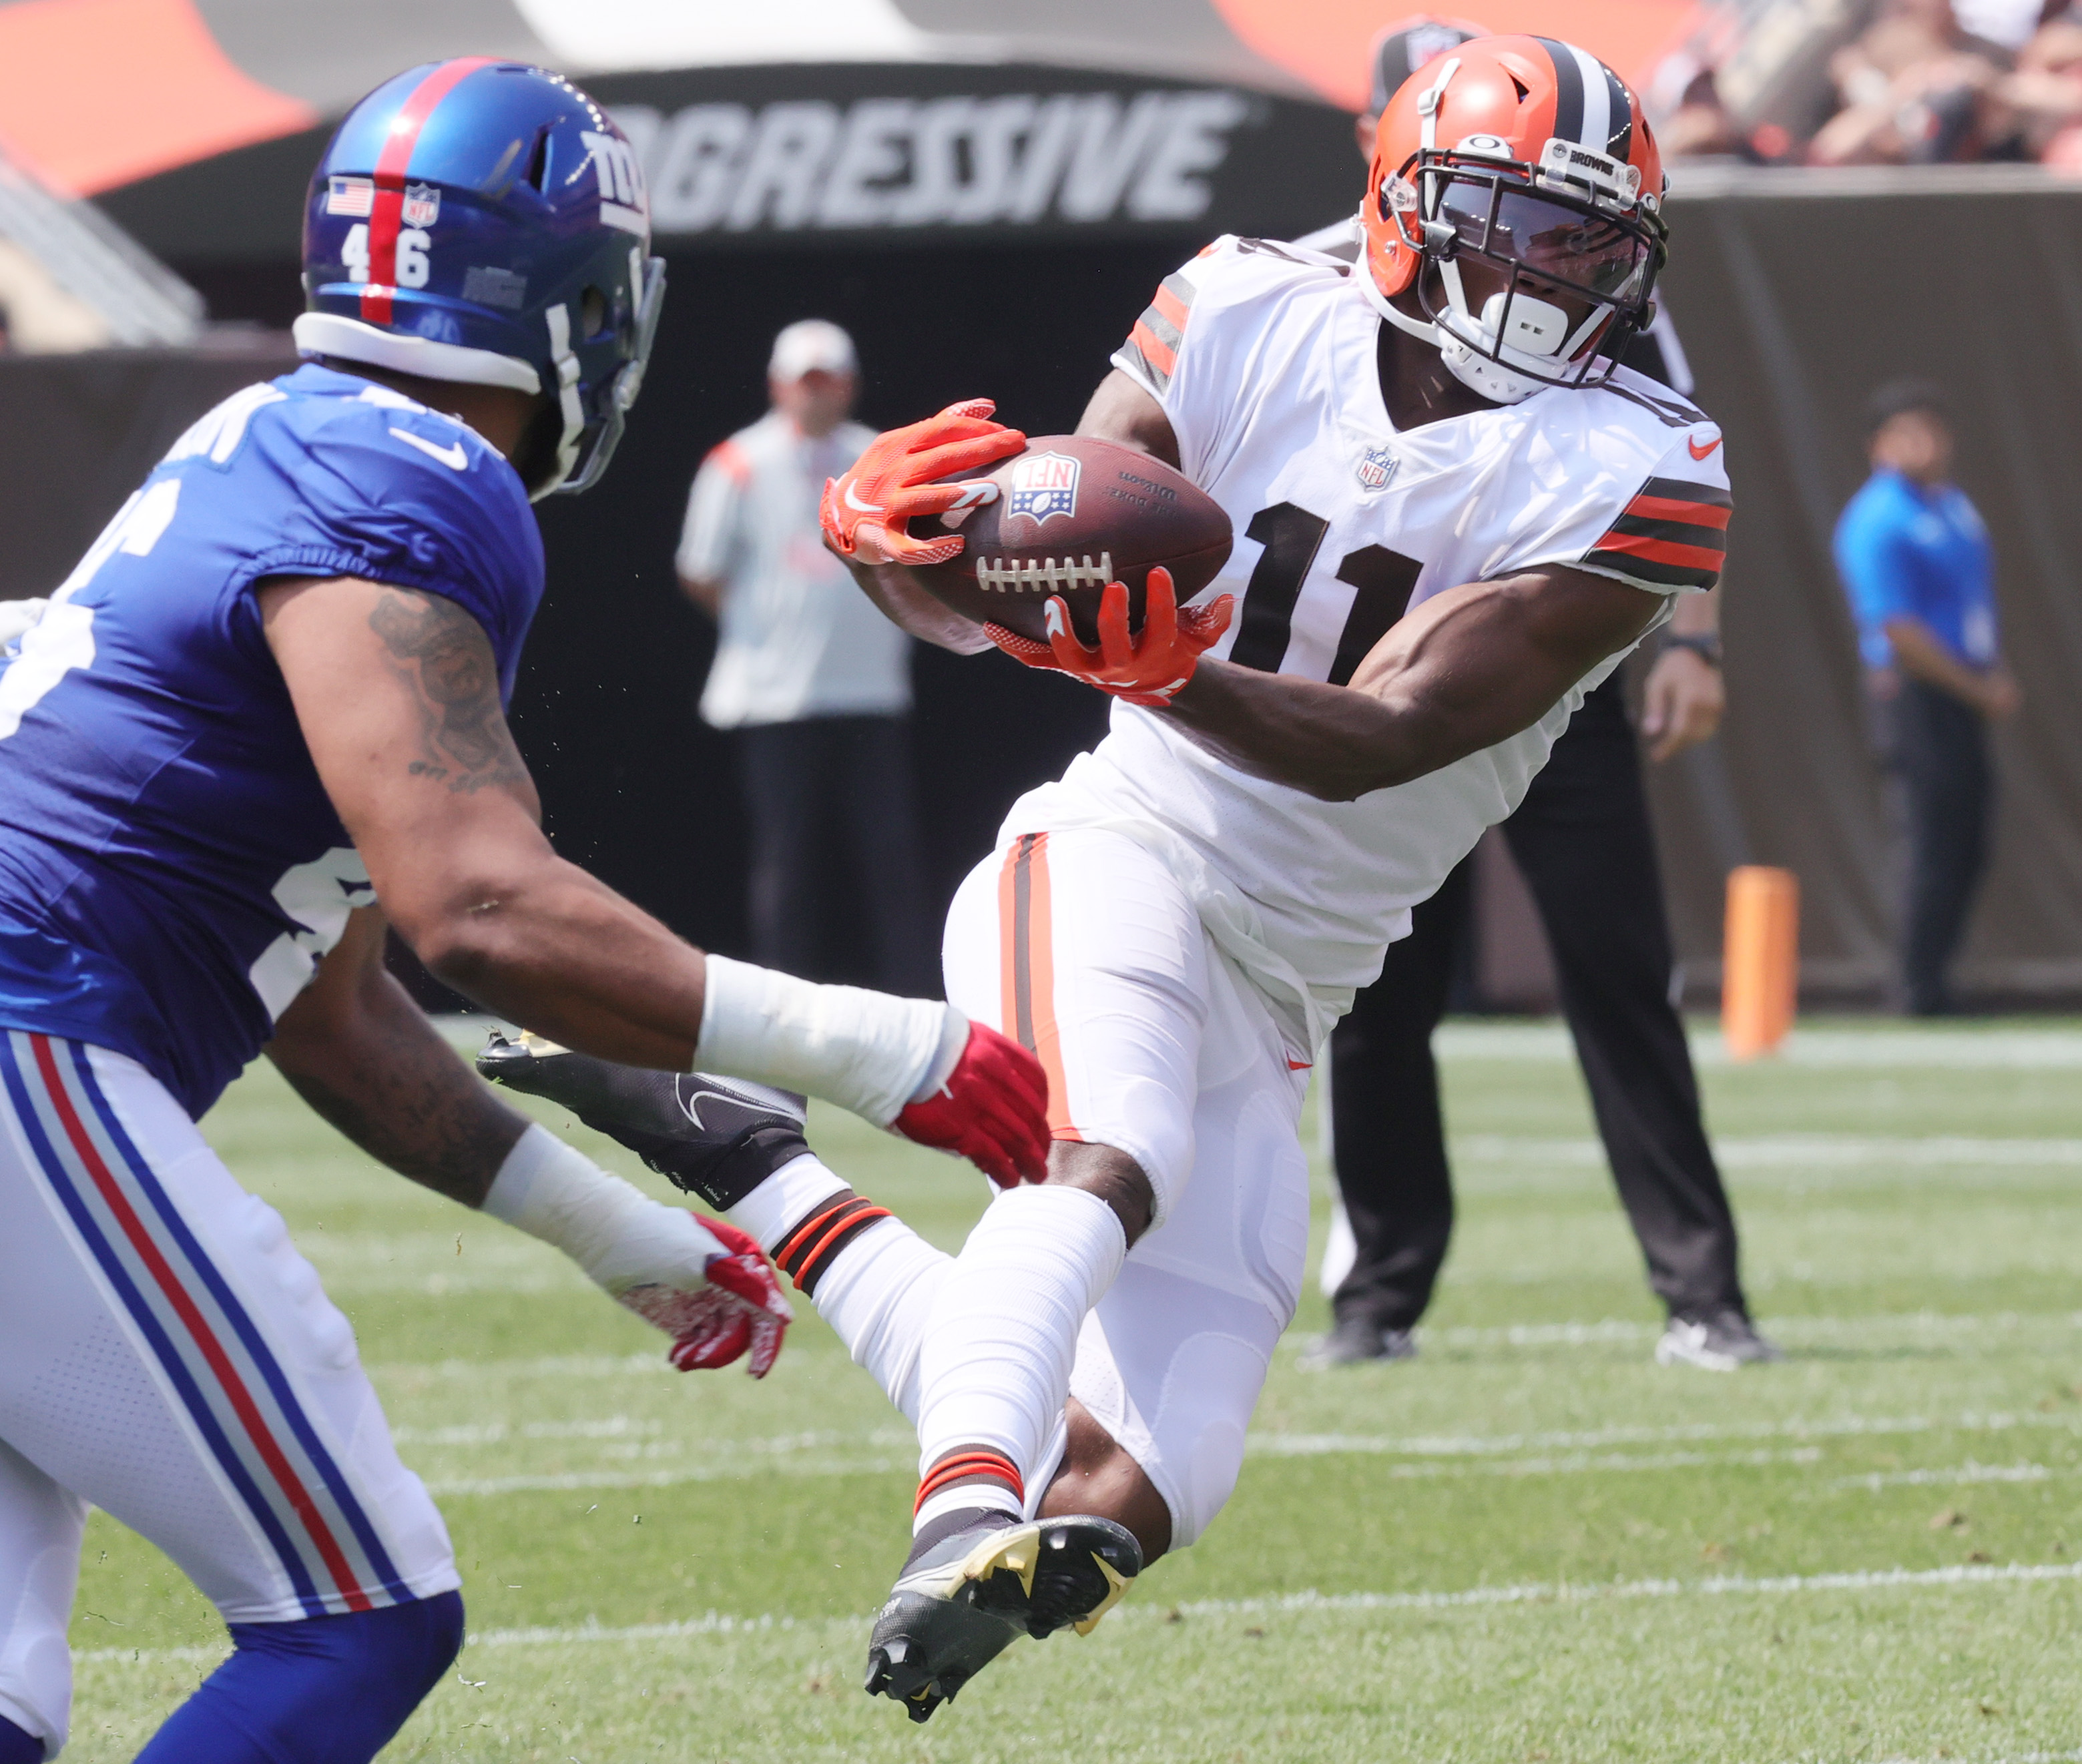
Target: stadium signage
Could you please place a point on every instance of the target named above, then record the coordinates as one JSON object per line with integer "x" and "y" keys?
{"x": 882, "y": 154}
{"x": 1020, "y": 159}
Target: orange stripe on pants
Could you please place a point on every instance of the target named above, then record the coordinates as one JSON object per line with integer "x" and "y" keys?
{"x": 1028, "y": 981}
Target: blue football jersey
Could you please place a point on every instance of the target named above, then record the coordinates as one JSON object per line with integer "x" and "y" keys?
{"x": 170, "y": 867}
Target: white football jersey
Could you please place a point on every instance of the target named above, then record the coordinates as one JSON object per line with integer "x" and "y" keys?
{"x": 1263, "y": 357}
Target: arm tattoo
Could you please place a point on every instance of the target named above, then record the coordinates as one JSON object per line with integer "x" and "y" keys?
{"x": 442, "y": 654}
{"x": 437, "y": 1127}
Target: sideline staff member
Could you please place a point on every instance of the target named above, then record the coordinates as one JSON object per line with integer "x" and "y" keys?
{"x": 1582, "y": 839}
{"x": 815, "y": 683}
{"x": 1915, "y": 562}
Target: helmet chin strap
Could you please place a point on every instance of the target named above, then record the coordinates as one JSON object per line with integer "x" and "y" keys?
{"x": 1470, "y": 367}
{"x": 572, "y": 411}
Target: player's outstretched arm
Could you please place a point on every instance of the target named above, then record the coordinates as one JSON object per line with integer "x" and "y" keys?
{"x": 363, "y": 1055}
{"x": 1469, "y": 668}
{"x": 397, "y": 695}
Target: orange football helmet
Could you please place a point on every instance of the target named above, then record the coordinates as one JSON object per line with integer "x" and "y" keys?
{"x": 1522, "y": 172}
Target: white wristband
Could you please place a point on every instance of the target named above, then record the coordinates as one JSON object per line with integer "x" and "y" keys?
{"x": 611, "y": 1228}
{"x": 863, "y": 1050}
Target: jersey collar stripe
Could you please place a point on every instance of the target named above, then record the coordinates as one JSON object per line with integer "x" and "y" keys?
{"x": 347, "y": 1509}
{"x": 1568, "y": 94}
{"x": 23, "y": 1093}
{"x": 391, "y": 165}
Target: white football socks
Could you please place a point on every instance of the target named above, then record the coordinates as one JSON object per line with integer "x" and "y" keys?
{"x": 998, "y": 1347}
{"x": 878, "y": 1289}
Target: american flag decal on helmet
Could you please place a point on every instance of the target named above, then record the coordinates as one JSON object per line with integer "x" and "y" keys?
{"x": 1673, "y": 533}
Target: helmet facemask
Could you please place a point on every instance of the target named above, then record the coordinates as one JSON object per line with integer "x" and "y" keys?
{"x": 586, "y": 438}
{"x": 1533, "y": 274}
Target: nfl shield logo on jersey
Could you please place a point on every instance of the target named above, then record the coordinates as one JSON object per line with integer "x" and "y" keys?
{"x": 1377, "y": 466}
{"x": 1043, "y": 485}
{"x": 421, "y": 206}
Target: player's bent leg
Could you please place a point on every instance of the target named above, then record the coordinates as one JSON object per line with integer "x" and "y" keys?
{"x": 1099, "y": 1474}
{"x": 166, "y": 1354}
{"x": 325, "y": 1690}
{"x": 41, "y": 1524}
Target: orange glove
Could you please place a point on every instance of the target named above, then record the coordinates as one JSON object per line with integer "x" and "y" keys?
{"x": 1149, "y": 669}
{"x": 866, "y": 508}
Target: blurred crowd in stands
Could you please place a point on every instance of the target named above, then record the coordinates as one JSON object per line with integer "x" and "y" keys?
{"x": 1924, "y": 82}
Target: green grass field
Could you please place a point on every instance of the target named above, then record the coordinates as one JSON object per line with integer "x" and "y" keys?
{"x": 1530, "y": 1544}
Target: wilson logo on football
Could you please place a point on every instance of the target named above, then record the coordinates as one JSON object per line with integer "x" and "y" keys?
{"x": 1043, "y": 486}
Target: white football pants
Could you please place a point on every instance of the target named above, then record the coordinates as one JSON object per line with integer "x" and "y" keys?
{"x": 1085, "y": 948}
{"x": 167, "y": 1355}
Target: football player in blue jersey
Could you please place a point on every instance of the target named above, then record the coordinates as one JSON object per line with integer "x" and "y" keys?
{"x": 271, "y": 696}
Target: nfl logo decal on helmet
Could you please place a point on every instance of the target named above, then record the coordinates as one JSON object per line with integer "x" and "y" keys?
{"x": 1041, "y": 487}
{"x": 485, "y": 221}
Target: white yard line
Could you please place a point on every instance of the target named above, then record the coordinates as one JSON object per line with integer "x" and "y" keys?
{"x": 1831, "y": 1046}
{"x": 1468, "y": 1444}
{"x": 597, "y": 1367}
{"x": 1291, "y": 1604}
{"x": 1798, "y": 1150}
{"x": 1559, "y": 1453}
{"x": 1953, "y": 1475}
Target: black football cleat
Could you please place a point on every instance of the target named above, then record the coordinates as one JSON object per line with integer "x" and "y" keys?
{"x": 962, "y": 1602}
{"x": 719, "y": 1138}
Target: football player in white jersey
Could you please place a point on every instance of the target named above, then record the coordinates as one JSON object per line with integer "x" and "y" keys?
{"x": 1455, "y": 517}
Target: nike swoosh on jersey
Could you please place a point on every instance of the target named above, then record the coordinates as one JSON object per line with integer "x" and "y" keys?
{"x": 452, "y": 455}
{"x": 1695, "y": 450}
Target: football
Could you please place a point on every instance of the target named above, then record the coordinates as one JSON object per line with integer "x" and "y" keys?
{"x": 1071, "y": 514}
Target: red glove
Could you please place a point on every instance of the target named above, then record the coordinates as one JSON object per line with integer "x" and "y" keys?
{"x": 1149, "y": 669}
{"x": 866, "y": 508}
{"x": 993, "y": 1110}
{"x": 741, "y": 1306}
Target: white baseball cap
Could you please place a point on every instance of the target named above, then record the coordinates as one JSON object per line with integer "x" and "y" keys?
{"x": 809, "y": 344}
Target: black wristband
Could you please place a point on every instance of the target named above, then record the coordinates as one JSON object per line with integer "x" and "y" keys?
{"x": 1706, "y": 646}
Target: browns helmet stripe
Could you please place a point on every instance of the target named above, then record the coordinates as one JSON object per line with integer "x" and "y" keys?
{"x": 1568, "y": 90}
{"x": 1619, "y": 141}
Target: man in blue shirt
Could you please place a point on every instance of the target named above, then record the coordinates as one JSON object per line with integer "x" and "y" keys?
{"x": 1915, "y": 562}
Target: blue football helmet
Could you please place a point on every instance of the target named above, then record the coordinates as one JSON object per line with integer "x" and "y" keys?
{"x": 484, "y": 221}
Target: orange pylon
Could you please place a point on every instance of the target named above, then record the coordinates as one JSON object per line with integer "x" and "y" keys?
{"x": 1761, "y": 959}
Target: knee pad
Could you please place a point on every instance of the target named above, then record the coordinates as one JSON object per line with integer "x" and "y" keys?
{"x": 324, "y": 1690}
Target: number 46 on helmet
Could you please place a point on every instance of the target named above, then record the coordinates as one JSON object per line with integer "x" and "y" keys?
{"x": 485, "y": 221}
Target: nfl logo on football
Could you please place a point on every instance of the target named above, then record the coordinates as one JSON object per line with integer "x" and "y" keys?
{"x": 1377, "y": 466}
{"x": 421, "y": 206}
{"x": 1043, "y": 484}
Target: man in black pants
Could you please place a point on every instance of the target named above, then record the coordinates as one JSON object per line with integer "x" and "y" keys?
{"x": 1916, "y": 563}
{"x": 1582, "y": 840}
